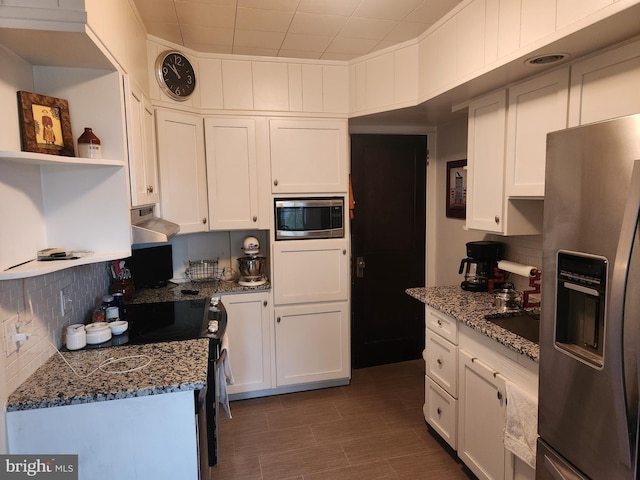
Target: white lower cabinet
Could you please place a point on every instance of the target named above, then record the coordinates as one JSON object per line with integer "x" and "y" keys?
{"x": 248, "y": 330}
{"x": 312, "y": 343}
{"x": 441, "y": 382}
{"x": 481, "y": 418}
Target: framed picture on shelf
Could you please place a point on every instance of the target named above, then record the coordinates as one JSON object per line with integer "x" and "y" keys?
{"x": 45, "y": 124}
{"x": 457, "y": 189}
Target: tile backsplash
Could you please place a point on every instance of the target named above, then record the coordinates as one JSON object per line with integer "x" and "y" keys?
{"x": 526, "y": 250}
{"x": 37, "y": 302}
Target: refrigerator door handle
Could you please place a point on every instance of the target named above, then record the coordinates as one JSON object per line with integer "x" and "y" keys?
{"x": 558, "y": 471}
{"x": 625, "y": 424}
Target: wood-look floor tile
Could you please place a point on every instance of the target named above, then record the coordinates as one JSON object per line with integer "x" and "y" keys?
{"x": 236, "y": 468}
{"x": 253, "y": 445}
{"x": 309, "y": 414}
{"x": 299, "y": 399}
{"x": 243, "y": 425}
{"x": 255, "y": 405}
{"x": 375, "y": 404}
{"x": 382, "y": 447}
{"x": 304, "y": 461}
{"x": 374, "y": 471}
{"x": 349, "y": 429}
{"x": 429, "y": 466}
{"x": 403, "y": 418}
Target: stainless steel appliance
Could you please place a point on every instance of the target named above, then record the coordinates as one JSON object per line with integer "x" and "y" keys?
{"x": 252, "y": 265}
{"x": 588, "y": 397}
{"x": 303, "y": 218}
{"x": 478, "y": 267}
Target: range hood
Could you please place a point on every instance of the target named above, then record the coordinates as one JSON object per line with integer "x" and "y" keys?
{"x": 147, "y": 228}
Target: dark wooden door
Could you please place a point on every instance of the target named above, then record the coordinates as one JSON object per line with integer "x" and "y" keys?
{"x": 388, "y": 174}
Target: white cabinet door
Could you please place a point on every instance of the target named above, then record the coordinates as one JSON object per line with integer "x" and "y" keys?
{"x": 143, "y": 171}
{"x": 441, "y": 412}
{"x": 248, "y": 328}
{"x": 485, "y": 162}
{"x": 308, "y": 156}
{"x": 605, "y": 86}
{"x": 481, "y": 418}
{"x": 232, "y": 176}
{"x": 312, "y": 343}
{"x": 536, "y": 107}
{"x": 310, "y": 271}
{"x": 183, "y": 172}
{"x": 442, "y": 362}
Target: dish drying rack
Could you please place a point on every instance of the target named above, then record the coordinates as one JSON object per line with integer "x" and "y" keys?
{"x": 204, "y": 271}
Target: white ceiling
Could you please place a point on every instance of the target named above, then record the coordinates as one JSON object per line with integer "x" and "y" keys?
{"x": 313, "y": 29}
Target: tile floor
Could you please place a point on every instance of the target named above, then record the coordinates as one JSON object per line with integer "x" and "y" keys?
{"x": 373, "y": 429}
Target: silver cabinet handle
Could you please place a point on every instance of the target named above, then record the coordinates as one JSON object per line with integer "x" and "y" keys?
{"x": 255, "y": 219}
{"x": 278, "y": 319}
{"x": 438, "y": 411}
{"x": 204, "y": 220}
{"x": 439, "y": 361}
{"x": 275, "y": 182}
{"x": 439, "y": 322}
{"x": 264, "y": 303}
{"x": 497, "y": 219}
{"x": 149, "y": 188}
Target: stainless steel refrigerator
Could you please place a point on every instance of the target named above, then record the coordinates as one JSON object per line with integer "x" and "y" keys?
{"x": 588, "y": 403}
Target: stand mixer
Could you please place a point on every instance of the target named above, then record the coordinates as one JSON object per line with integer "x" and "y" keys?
{"x": 251, "y": 265}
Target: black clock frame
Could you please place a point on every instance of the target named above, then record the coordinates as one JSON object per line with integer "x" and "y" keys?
{"x": 174, "y": 80}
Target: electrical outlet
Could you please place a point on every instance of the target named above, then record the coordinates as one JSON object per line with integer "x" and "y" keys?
{"x": 66, "y": 305}
{"x": 9, "y": 330}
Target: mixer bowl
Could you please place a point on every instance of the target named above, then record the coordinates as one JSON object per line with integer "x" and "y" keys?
{"x": 250, "y": 266}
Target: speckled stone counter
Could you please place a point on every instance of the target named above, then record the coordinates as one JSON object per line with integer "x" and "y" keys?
{"x": 173, "y": 291}
{"x": 470, "y": 308}
{"x": 174, "y": 366}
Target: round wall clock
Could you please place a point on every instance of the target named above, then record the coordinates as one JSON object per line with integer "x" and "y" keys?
{"x": 175, "y": 75}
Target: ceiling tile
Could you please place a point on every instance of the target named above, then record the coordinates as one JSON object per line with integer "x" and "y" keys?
{"x": 299, "y": 54}
{"x": 406, "y": 31}
{"x": 306, "y": 43}
{"x": 256, "y": 51}
{"x": 167, "y": 31}
{"x": 207, "y": 35}
{"x": 356, "y": 46}
{"x": 263, "y": 20}
{"x": 317, "y": 24}
{"x": 252, "y": 38}
{"x": 329, "y": 7}
{"x": 384, "y": 9}
{"x": 193, "y": 13}
{"x": 336, "y": 56}
{"x": 282, "y": 5}
{"x": 367, "y": 28}
{"x": 431, "y": 12}
{"x": 157, "y": 11}
{"x": 206, "y": 48}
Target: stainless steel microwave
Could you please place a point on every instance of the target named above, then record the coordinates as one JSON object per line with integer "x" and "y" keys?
{"x": 307, "y": 218}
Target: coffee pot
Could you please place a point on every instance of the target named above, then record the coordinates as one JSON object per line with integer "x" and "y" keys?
{"x": 478, "y": 267}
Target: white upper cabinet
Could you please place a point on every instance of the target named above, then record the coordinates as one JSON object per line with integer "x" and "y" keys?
{"x": 143, "y": 171}
{"x": 485, "y": 162}
{"x": 232, "y": 176}
{"x": 605, "y": 86}
{"x": 308, "y": 155}
{"x": 536, "y": 107}
{"x": 183, "y": 172}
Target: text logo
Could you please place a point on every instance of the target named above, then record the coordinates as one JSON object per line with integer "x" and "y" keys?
{"x": 50, "y": 467}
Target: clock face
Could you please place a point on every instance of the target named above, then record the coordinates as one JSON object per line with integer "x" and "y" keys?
{"x": 175, "y": 75}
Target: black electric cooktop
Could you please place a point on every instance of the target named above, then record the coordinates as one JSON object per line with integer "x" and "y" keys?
{"x": 169, "y": 321}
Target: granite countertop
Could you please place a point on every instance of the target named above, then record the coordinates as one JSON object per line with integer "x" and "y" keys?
{"x": 470, "y": 308}
{"x": 174, "y": 367}
{"x": 173, "y": 291}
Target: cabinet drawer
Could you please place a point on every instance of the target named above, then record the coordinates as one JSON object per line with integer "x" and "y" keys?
{"x": 441, "y": 412}
{"x": 442, "y": 324}
{"x": 442, "y": 362}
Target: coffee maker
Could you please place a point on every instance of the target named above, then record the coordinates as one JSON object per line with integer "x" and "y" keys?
{"x": 478, "y": 267}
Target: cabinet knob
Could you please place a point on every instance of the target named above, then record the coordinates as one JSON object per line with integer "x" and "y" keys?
{"x": 149, "y": 188}
{"x": 439, "y": 361}
{"x": 439, "y": 322}
{"x": 204, "y": 220}
{"x": 499, "y": 395}
{"x": 344, "y": 251}
{"x": 438, "y": 411}
{"x": 278, "y": 319}
{"x": 255, "y": 219}
{"x": 497, "y": 219}
{"x": 275, "y": 182}
{"x": 264, "y": 303}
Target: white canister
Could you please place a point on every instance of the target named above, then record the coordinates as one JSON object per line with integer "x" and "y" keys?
{"x": 113, "y": 314}
{"x": 76, "y": 336}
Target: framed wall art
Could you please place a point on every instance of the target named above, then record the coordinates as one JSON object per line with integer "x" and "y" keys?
{"x": 45, "y": 124}
{"x": 457, "y": 189}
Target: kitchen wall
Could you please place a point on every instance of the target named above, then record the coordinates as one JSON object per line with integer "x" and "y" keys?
{"x": 446, "y": 244}
{"x": 37, "y": 302}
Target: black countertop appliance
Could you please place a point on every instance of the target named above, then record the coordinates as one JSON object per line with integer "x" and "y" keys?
{"x": 478, "y": 267}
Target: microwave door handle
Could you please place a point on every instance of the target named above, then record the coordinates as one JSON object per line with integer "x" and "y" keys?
{"x": 615, "y": 329}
